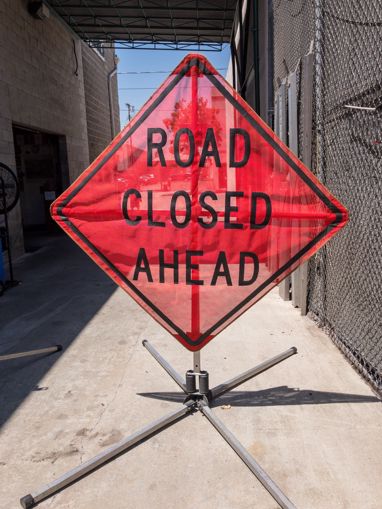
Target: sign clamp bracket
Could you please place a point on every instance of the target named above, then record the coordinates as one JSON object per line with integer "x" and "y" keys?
{"x": 196, "y": 400}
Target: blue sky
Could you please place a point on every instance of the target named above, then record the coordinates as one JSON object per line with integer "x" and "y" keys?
{"x": 141, "y": 86}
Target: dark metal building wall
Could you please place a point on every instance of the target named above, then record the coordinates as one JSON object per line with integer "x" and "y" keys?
{"x": 345, "y": 282}
{"x": 252, "y": 55}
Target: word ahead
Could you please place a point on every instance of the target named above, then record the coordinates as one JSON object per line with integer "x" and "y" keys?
{"x": 220, "y": 272}
{"x": 196, "y": 209}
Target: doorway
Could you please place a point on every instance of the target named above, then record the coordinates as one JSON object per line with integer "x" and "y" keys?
{"x": 42, "y": 170}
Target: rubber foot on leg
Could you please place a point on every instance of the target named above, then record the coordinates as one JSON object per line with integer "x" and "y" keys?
{"x": 27, "y": 502}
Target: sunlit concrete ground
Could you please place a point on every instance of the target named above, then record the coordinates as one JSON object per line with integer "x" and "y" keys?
{"x": 311, "y": 422}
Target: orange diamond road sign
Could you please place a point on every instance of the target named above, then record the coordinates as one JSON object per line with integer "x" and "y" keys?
{"x": 197, "y": 209}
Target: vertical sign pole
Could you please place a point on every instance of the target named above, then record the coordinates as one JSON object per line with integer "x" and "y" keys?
{"x": 195, "y": 295}
{"x": 197, "y": 366}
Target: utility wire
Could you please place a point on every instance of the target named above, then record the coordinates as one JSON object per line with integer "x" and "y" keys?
{"x": 160, "y": 72}
{"x": 138, "y": 88}
{"x": 154, "y": 88}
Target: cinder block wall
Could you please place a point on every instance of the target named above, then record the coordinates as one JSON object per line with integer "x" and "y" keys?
{"x": 96, "y": 69}
{"x": 45, "y": 71}
{"x": 39, "y": 89}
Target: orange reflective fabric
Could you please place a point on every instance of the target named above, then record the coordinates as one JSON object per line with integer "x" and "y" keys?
{"x": 197, "y": 209}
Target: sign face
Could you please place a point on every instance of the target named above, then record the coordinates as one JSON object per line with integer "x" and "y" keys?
{"x": 197, "y": 209}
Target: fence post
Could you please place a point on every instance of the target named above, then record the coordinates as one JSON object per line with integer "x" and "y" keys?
{"x": 293, "y": 145}
{"x": 281, "y": 131}
{"x": 306, "y": 152}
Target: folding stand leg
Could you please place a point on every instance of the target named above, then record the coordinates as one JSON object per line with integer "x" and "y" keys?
{"x": 244, "y": 455}
{"x": 165, "y": 365}
{"x": 196, "y": 401}
{"x": 40, "y": 351}
{"x": 112, "y": 452}
{"x": 247, "y": 375}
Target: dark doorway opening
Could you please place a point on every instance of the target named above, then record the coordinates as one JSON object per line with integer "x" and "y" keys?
{"x": 42, "y": 170}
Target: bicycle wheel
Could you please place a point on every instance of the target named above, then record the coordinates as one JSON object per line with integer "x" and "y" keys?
{"x": 11, "y": 188}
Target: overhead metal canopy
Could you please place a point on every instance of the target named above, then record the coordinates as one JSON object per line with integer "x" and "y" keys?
{"x": 150, "y": 24}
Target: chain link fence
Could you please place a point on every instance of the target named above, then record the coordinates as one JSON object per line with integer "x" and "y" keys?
{"x": 345, "y": 277}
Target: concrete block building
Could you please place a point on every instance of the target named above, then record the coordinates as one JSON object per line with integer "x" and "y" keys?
{"x": 58, "y": 109}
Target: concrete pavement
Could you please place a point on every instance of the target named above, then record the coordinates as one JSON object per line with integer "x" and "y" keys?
{"x": 311, "y": 422}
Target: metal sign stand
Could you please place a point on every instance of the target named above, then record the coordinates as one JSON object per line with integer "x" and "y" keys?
{"x": 330, "y": 214}
{"x": 198, "y": 398}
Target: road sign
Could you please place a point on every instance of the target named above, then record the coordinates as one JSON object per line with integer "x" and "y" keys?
{"x": 197, "y": 209}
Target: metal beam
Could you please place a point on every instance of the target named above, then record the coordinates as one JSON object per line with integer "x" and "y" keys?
{"x": 161, "y": 45}
{"x": 87, "y": 15}
{"x": 73, "y": 7}
{"x": 200, "y": 21}
{"x": 155, "y": 29}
